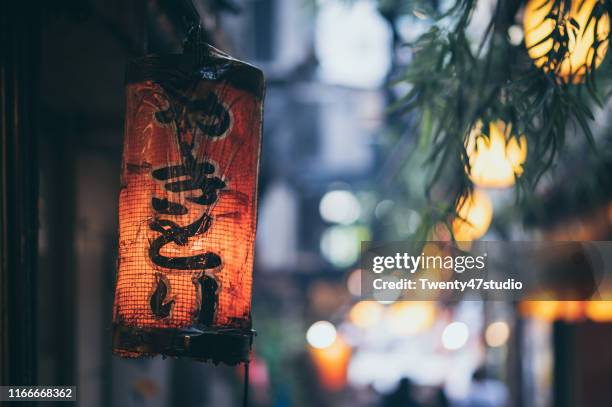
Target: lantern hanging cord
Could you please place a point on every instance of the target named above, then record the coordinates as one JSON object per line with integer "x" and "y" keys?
{"x": 195, "y": 43}
{"x": 196, "y": 33}
{"x": 189, "y": 14}
{"x": 245, "y": 393}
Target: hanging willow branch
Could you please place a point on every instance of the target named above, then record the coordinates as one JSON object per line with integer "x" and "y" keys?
{"x": 455, "y": 83}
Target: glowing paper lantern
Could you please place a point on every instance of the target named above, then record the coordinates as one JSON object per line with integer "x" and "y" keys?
{"x": 187, "y": 207}
{"x": 586, "y": 37}
{"x": 496, "y": 160}
{"x": 474, "y": 215}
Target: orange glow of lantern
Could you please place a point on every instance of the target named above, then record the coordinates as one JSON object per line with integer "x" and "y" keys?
{"x": 474, "y": 215}
{"x": 331, "y": 364}
{"x": 187, "y": 207}
{"x": 599, "y": 311}
{"x": 496, "y": 160}
{"x": 553, "y": 310}
{"x": 542, "y": 310}
{"x": 585, "y": 27}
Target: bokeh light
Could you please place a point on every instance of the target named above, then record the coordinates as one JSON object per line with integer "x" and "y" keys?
{"x": 515, "y": 34}
{"x": 455, "y": 335}
{"x": 599, "y": 311}
{"x": 331, "y": 363}
{"x": 497, "y": 334}
{"x": 411, "y": 317}
{"x": 497, "y": 158}
{"x": 340, "y": 245}
{"x": 353, "y": 283}
{"x": 353, "y": 44}
{"x": 366, "y": 313}
{"x": 474, "y": 216}
{"x": 321, "y": 334}
{"x": 340, "y": 207}
{"x": 539, "y": 24}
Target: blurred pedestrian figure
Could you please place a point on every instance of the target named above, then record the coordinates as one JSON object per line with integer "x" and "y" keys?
{"x": 485, "y": 391}
{"x": 440, "y": 399}
{"x": 402, "y": 396}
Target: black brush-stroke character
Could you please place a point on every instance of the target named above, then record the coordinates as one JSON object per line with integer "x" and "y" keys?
{"x": 160, "y": 307}
{"x": 213, "y": 120}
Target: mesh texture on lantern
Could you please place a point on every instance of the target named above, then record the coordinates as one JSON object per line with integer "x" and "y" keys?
{"x": 187, "y": 204}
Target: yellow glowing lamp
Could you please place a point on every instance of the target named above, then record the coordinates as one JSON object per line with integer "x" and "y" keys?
{"x": 586, "y": 36}
{"x": 496, "y": 160}
{"x": 474, "y": 215}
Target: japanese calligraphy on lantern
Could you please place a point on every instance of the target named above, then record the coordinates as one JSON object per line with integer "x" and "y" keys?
{"x": 187, "y": 205}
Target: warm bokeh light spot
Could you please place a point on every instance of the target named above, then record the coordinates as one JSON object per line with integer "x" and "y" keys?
{"x": 411, "y": 317}
{"x": 553, "y": 310}
{"x": 497, "y": 158}
{"x": 497, "y": 334}
{"x": 366, "y": 313}
{"x": 599, "y": 311}
{"x": 474, "y": 215}
{"x": 331, "y": 364}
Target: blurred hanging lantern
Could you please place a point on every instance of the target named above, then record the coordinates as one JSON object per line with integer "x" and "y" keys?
{"x": 187, "y": 206}
{"x": 331, "y": 364}
{"x": 495, "y": 159}
{"x": 474, "y": 215}
{"x": 568, "y": 40}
